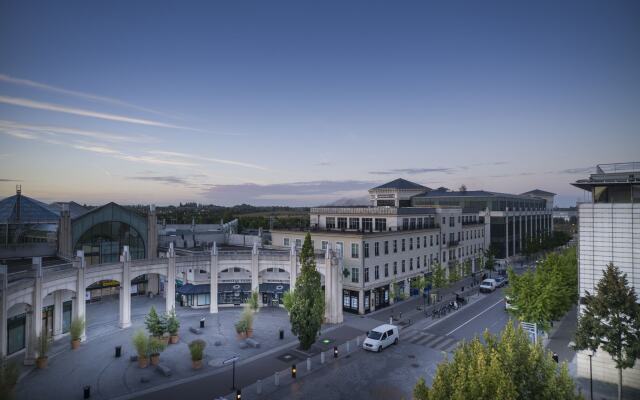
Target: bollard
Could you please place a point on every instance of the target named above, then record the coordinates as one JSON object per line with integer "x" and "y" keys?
{"x": 390, "y": 320}
{"x": 118, "y": 351}
{"x": 281, "y": 334}
{"x": 347, "y": 346}
{"x": 277, "y": 378}
{"x": 87, "y": 392}
{"x": 259, "y": 386}
{"x": 322, "y": 357}
{"x": 308, "y": 363}
{"x": 357, "y": 341}
{"x": 201, "y": 322}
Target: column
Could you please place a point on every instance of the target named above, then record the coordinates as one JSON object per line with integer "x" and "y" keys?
{"x": 361, "y": 302}
{"x": 171, "y": 280}
{"x": 80, "y": 305}
{"x": 520, "y": 229}
{"x": 526, "y": 224}
{"x": 125, "y": 289}
{"x": 57, "y": 314}
{"x": 513, "y": 252}
{"x": 3, "y": 311}
{"x": 329, "y": 277}
{"x": 255, "y": 284}
{"x": 293, "y": 267}
{"x": 473, "y": 264}
{"x": 213, "y": 280}
{"x": 506, "y": 232}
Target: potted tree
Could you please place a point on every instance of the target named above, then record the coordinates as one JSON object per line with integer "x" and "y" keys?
{"x": 43, "y": 348}
{"x": 173, "y": 325}
{"x": 156, "y": 325}
{"x": 196, "y": 348}
{"x": 75, "y": 330}
{"x": 141, "y": 343}
{"x": 156, "y": 346}
{"x": 9, "y": 373}
{"x": 244, "y": 327}
{"x": 253, "y": 302}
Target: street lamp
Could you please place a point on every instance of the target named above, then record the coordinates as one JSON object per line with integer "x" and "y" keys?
{"x": 238, "y": 394}
{"x": 335, "y": 351}
{"x": 591, "y": 354}
{"x": 293, "y": 371}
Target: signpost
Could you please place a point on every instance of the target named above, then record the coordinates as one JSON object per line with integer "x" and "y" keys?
{"x": 531, "y": 329}
{"x": 232, "y": 360}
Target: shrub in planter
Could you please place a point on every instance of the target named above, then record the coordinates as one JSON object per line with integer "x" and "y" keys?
{"x": 43, "y": 348}
{"x": 156, "y": 324}
{"x": 196, "y": 348}
{"x": 244, "y": 327}
{"x": 253, "y": 302}
{"x": 9, "y": 373}
{"x": 241, "y": 328}
{"x": 173, "y": 325}
{"x": 75, "y": 330}
{"x": 156, "y": 346}
{"x": 141, "y": 343}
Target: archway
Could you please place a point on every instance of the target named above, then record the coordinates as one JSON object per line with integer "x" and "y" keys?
{"x": 273, "y": 283}
{"x": 57, "y": 311}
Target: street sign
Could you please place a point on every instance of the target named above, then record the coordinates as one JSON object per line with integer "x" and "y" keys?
{"x": 230, "y": 360}
{"x": 531, "y": 329}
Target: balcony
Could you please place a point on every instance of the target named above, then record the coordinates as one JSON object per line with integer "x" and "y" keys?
{"x": 453, "y": 243}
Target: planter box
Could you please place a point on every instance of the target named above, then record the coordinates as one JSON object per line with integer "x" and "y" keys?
{"x": 196, "y": 364}
{"x": 174, "y": 339}
{"x": 155, "y": 359}
{"x": 143, "y": 362}
{"x": 41, "y": 362}
{"x": 75, "y": 344}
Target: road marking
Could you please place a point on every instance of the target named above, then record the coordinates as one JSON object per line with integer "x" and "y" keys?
{"x": 498, "y": 302}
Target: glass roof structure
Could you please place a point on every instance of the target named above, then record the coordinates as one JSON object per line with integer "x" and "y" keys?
{"x": 22, "y": 209}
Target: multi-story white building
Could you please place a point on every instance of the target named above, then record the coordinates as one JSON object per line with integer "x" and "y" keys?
{"x": 609, "y": 229}
{"x": 391, "y": 242}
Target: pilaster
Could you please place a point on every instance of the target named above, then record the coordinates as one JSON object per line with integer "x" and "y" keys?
{"x": 513, "y": 248}
{"x": 520, "y": 229}
{"x": 293, "y": 267}
{"x": 80, "y": 304}
{"x": 3, "y": 310}
{"x": 125, "y": 289}
{"x": 213, "y": 280}
{"x": 171, "y": 280}
{"x": 152, "y": 233}
{"x": 36, "y": 314}
{"x": 57, "y": 314}
{"x": 255, "y": 285}
{"x": 506, "y": 236}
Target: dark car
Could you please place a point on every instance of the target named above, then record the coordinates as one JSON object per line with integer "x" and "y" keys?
{"x": 501, "y": 281}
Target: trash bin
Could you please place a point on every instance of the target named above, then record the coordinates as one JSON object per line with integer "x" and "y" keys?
{"x": 87, "y": 392}
{"x": 118, "y": 351}
{"x": 281, "y": 334}
{"x": 201, "y": 322}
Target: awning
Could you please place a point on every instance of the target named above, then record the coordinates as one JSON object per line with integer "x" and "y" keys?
{"x": 193, "y": 289}
{"x": 274, "y": 287}
{"x": 234, "y": 287}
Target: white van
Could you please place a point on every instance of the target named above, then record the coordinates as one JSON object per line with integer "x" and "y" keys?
{"x": 380, "y": 337}
{"x": 488, "y": 285}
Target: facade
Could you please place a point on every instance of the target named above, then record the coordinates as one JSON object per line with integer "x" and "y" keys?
{"x": 384, "y": 245}
{"x": 609, "y": 232}
{"x": 514, "y": 219}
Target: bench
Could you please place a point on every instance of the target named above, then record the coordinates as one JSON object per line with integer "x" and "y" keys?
{"x": 252, "y": 343}
{"x": 163, "y": 369}
{"x": 197, "y": 331}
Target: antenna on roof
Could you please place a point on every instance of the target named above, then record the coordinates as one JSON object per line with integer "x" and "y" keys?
{"x": 18, "y": 190}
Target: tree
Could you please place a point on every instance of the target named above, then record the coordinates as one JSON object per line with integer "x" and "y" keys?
{"x": 287, "y": 299}
{"x": 454, "y": 273}
{"x": 156, "y": 325}
{"x": 507, "y": 366}
{"x": 307, "y": 310}
{"x": 611, "y": 321}
{"x": 420, "y": 283}
{"x": 253, "y": 302}
{"x": 466, "y": 267}
{"x": 439, "y": 279}
{"x": 490, "y": 260}
{"x": 463, "y": 188}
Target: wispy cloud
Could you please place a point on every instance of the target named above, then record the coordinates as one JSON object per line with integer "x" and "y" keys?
{"x": 156, "y": 160}
{"x": 411, "y": 171}
{"x": 208, "y": 159}
{"x": 161, "y": 179}
{"x": 60, "y": 130}
{"x": 9, "y": 180}
{"x": 82, "y": 95}
{"x": 37, "y": 105}
{"x": 579, "y": 170}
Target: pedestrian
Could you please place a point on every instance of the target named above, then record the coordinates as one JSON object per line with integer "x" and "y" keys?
{"x": 555, "y": 357}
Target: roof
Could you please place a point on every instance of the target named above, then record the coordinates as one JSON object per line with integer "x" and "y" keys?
{"x": 401, "y": 184}
{"x": 538, "y": 192}
{"x": 469, "y": 193}
{"x": 75, "y": 209}
{"x": 31, "y": 210}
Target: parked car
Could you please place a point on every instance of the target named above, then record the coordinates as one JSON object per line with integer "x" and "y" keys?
{"x": 501, "y": 281}
{"x": 488, "y": 286}
{"x": 381, "y": 337}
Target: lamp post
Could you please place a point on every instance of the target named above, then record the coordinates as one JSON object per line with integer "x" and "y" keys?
{"x": 590, "y": 373}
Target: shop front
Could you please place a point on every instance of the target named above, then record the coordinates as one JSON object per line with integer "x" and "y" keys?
{"x": 380, "y": 297}
{"x": 272, "y": 293}
{"x": 139, "y": 285}
{"x": 102, "y": 289}
{"x": 194, "y": 295}
{"x": 350, "y": 301}
{"x": 234, "y": 293}
{"x": 16, "y": 329}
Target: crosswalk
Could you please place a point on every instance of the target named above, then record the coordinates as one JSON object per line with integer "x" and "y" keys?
{"x": 442, "y": 343}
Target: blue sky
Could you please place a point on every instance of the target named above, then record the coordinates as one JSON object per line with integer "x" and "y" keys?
{"x": 303, "y": 103}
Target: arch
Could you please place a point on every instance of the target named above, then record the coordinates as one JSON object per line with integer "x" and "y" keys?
{"x": 102, "y": 278}
{"x": 16, "y": 301}
{"x": 67, "y": 285}
{"x": 223, "y": 267}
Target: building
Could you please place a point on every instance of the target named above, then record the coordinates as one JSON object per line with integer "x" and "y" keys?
{"x": 514, "y": 219}
{"x": 609, "y": 232}
{"x": 392, "y": 242}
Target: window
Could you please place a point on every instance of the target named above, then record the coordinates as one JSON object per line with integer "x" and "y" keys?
{"x": 342, "y": 223}
{"x": 376, "y": 249}
{"x": 285, "y": 242}
{"x": 444, "y": 220}
{"x": 403, "y": 270}
{"x": 354, "y": 223}
{"x": 366, "y": 250}
{"x": 430, "y": 240}
{"x": 418, "y": 262}
{"x": 418, "y": 242}
{"x": 325, "y": 244}
{"x": 355, "y": 272}
{"x": 438, "y": 240}
{"x": 395, "y": 246}
{"x": 381, "y": 224}
{"x": 411, "y": 264}
{"x": 376, "y": 272}
{"x": 412, "y": 223}
{"x": 354, "y": 250}
{"x": 419, "y": 224}
{"x": 458, "y": 236}
{"x": 339, "y": 248}
{"x": 403, "y": 244}
{"x": 405, "y": 224}
{"x": 298, "y": 242}
{"x": 444, "y": 239}
{"x": 458, "y": 219}
{"x": 367, "y": 225}
{"x": 410, "y": 243}
{"x": 386, "y": 247}
{"x": 424, "y": 243}
{"x": 444, "y": 256}
{"x": 395, "y": 268}
{"x": 425, "y": 261}
{"x": 331, "y": 223}
{"x": 386, "y": 270}
{"x": 366, "y": 274}
{"x": 452, "y": 221}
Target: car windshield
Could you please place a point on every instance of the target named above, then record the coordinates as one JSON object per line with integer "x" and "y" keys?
{"x": 374, "y": 335}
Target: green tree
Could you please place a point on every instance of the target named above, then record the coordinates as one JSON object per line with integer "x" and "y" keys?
{"x": 454, "y": 273}
{"x": 507, "y": 366}
{"x": 287, "y": 299}
{"x": 611, "y": 321}
{"x": 420, "y": 283}
{"x": 466, "y": 267}
{"x": 439, "y": 278}
{"x": 156, "y": 324}
{"x": 490, "y": 260}
{"x": 307, "y": 310}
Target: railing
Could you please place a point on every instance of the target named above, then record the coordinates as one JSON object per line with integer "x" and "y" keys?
{"x": 453, "y": 243}
{"x": 618, "y": 168}
{"x": 472, "y": 223}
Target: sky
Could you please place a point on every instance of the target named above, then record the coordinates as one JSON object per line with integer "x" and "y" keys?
{"x": 303, "y": 103}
